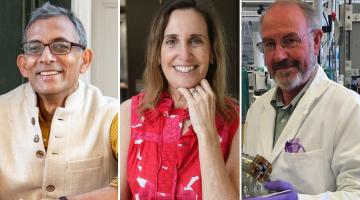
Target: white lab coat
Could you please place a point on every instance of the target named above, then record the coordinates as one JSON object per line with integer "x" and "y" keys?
{"x": 327, "y": 122}
{"x": 79, "y": 157}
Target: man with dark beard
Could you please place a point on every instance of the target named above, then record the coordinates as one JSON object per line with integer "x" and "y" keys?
{"x": 308, "y": 126}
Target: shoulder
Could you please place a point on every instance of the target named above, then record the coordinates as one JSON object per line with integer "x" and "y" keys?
{"x": 125, "y": 107}
{"x": 95, "y": 93}
{"x": 90, "y": 101}
{"x": 333, "y": 91}
{"x": 19, "y": 90}
{"x": 17, "y": 94}
{"x": 262, "y": 100}
{"x": 266, "y": 97}
{"x": 341, "y": 95}
{"x": 94, "y": 100}
{"x": 125, "y": 123}
{"x": 133, "y": 101}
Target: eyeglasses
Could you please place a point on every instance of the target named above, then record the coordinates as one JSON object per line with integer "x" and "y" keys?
{"x": 288, "y": 42}
{"x": 56, "y": 48}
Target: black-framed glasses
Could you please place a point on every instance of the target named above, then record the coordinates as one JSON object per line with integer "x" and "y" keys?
{"x": 287, "y": 42}
{"x": 56, "y": 48}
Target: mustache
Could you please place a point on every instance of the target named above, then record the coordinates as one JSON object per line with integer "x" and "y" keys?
{"x": 285, "y": 63}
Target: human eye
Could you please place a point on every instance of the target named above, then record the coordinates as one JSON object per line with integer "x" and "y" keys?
{"x": 290, "y": 42}
{"x": 60, "y": 47}
{"x": 196, "y": 41}
{"x": 171, "y": 42}
{"x": 269, "y": 44}
{"x": 33, "y": 47}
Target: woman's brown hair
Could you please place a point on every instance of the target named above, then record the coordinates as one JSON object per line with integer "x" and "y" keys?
{"x": 154, "y": 79}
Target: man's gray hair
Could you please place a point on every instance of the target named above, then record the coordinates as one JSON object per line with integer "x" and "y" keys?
{"x": 47, "y": 11}
{"x": 312, "y": 18}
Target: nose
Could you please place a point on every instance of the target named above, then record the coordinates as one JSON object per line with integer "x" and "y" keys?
{"x": 280, "y": 53}
{"x": 185, "y": 52}
{"x": 47, "y": 56}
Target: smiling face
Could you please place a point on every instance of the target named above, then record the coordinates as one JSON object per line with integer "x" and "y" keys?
{"x": 290, "y": 68}
{"x": 51, "y": 74}
{"x": 185, "y": 49}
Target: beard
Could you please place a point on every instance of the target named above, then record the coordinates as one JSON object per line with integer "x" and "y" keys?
{"x": 285, "y": 81}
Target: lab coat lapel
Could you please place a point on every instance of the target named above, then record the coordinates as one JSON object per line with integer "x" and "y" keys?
{"x": 291, "y": 128}
{"x": 306, "y": 103}
{"x": 267, "y": 128}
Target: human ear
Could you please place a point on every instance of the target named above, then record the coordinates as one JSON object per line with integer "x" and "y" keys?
{"x": 21, "y": 63}
{"x": 87, "y": 56}
{"x": 317, "y": 40}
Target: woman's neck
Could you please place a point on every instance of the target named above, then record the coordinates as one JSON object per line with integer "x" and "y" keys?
{"x": 178, "y": 98}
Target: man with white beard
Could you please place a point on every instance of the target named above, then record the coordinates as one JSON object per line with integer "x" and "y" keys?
{"x": 308, "y": 126}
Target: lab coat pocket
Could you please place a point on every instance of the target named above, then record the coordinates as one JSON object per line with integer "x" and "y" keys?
{"x": 310, "y": 155}
{"x": 307, "y": 166}
{"x": 84, "y": 175}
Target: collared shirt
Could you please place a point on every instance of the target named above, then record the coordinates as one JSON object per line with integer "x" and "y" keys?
{"x": 114, "y": 144}
{"x": 45, "y": 130}
{"x": 283, "y": 112}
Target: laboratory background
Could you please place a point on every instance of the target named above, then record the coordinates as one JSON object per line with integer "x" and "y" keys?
{"x": 339, "y": 54}
{"x": 135, "y": 20}
{"x": 100, "y": 19}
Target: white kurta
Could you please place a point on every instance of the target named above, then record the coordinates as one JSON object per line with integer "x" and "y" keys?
{"x": 79, "y": 157}
{"x": 327, "y": 122}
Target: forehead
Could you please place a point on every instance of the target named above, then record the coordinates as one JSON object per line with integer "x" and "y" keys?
{"x": 47, "y": 30}
{"x": 183, "y": 21}
{"x": 282, "y": 20}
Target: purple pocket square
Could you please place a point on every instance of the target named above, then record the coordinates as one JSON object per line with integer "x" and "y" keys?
{"x": 294, "y": 146}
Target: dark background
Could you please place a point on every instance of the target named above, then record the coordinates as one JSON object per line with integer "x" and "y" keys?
{"x": 14, "y": 15}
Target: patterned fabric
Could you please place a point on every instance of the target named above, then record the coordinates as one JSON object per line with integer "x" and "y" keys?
{"x": 162, "y": 163}
{"x": 114, "y": 144}
{"x": 114, "y": 183}
{"x": 114, "y": 136}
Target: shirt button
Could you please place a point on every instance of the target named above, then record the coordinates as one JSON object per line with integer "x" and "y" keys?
{"x": 33, "y": 120}
{"x": 283, "y": 120}
{"x": 36, "y": 138}
{"x": 50, "y": 188}
{"x": 40, "y": 154}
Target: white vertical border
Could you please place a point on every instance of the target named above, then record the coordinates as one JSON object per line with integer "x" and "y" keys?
{"x": 241, "y": 125}
{"x": 82, "y": 9}
{"x": 118, "y": 89}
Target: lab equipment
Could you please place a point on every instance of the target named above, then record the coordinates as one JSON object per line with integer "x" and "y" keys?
{"x": 255, "y": 173}
{"x": 285, "y": 191}
{"x": 256, "y": 181}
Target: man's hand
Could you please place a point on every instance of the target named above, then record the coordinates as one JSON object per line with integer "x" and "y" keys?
{"x": 278, "y": 186}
